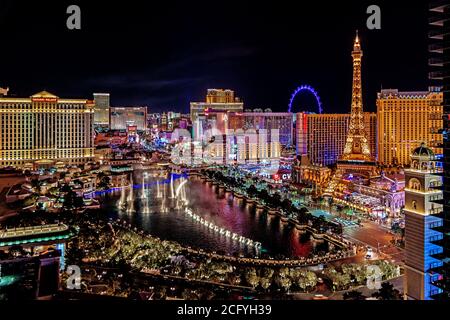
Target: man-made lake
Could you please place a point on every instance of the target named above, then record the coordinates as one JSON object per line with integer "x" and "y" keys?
{"x": 155, "y": 205}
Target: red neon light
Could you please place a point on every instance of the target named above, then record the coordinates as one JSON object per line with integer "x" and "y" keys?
{"x": 44, "y": 99}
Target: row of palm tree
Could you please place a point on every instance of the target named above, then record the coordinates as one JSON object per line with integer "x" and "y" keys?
{"x": 354, "y": 274}
{"x": 273, "y": 200}
{"x": 386, "y": 292}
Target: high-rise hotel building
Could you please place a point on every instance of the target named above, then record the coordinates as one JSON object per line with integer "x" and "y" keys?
{"x": 101, "y": 110}
{"x": 281, "y": 121}
{"x": 423, "y": 225}
{"x": 427, "y": 196}
{"x": 439, "y": 62}
{"x": 123, "y": 118}
{"x": 251, "y": 147}
{"x": 405, "y": 120}
{"x": 45, "y": 128}
{"x": 217, "y": 101}
{"x": 3, "y": 92}
{"x": 322, "y": 136}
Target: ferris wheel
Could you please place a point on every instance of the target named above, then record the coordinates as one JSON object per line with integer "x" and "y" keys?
{"x": 305, "y": 88}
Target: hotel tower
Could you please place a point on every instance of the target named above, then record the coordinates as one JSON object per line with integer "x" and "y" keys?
{"x": 44, "y": 129}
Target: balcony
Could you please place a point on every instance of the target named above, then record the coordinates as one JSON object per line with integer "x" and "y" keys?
{"x": 440, "y": 229}
{"x": 440, "y": 243}
{"x": 436, "y": 48}
{"x": 437, "y": 20}
{"x": 438, "y": 5}
{"x": 436, "y": 75}
{"x": 443, "y": 281}
{"x": 435, "y": 185}
{"x": 437, "y": 200}
{"x": 438, "y": 213}
{"x": 441, "y": 284}
{"x": 439, "y": 256}
{"x": 437, "y": 34}
{"x": 435, "y": 211}
{"x": 436, "y": 269}
{"x": 435, "y": 62}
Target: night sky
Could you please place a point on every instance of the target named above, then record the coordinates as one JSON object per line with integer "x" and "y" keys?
{"x": 164, "y": 54}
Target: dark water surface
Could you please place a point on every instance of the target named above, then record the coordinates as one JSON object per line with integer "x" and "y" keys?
{"x": 161, "y": 215}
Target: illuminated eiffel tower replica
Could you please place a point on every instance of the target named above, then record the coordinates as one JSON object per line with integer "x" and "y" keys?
{"x": 356, "y": 162}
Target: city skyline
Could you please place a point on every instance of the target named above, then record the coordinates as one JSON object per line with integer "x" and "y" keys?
{"x": 165, "y": 58}
{"x": 224, "y": 151}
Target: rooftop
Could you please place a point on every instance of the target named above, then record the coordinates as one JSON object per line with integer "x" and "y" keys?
{"x": 423, "y": 152}
{"x": 395, "y": 93}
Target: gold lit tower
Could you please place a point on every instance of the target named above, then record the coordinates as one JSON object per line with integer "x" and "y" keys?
{"x": 357, "y": 145}
{"x": 356, "y": 159}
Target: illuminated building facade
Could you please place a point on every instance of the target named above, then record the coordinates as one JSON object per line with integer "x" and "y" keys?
{"x": 388, "y": 192}
{"x": 357, "y": 164}
{"x": 405, "y": 119}
{"x": 283, "y": 121}
{"x": 101, "y": 111}
{"x": 38, "y": 276}
{"x": 357, "y": 147}
{"x": 209, "y": 124}
{"x": 217, "y": 101}
{"x": 322, "y": 136}
{"x": 164, "y": 122}
{"x": 303, "y": 172}
{"x": 124, "y": 117}
{"x": 45, "y": 128}
{"x": 423, "y": 225}
{"x": 439, "y": 63}
{"x": 4, "y": 92}
{"x": 249, "y": 147}
{"x": 171, "y": 120}
{"x": 257, "y": 146}
{"x": 220, "y": 96}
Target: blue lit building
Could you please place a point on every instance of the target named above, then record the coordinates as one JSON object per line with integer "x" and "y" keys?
{"x": 423, "y": 225}
{"x": 439, "y": 48}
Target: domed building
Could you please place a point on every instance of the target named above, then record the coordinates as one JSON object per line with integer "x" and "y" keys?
{"x": 423, "y": 158}
{"x": 422, "y": 152}
{"x": 423, "y": 239}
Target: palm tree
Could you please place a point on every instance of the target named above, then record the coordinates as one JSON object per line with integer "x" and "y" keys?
{"x": 387, "y": 292}
{"x": 287, "y": 205}
{"x": 71, "y": 200}
{"x": 104, "y": 183}
{"x": 264, "y": 195}
{"x": 285, "y": 283}
{"x": 252, "y": 191}
{"x": 275, "y": 200}
{"x": 188, "y": 294}
{"x": 36, "y": 185}
{"x": 354, "y": 295}
{"x": 251, "y": 277}
{"x": 265, "y": 283}
{"x": 267, "y": 273}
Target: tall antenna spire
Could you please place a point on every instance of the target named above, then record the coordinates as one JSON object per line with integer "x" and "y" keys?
{"x": 357, "y": 44}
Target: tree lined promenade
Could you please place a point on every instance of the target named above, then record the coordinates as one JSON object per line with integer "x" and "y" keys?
{"x": 246, "y": 261}
{"x": 301, "y": 218}
{"x": 118, "y": 246}
{"x": 302, "y": 262}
